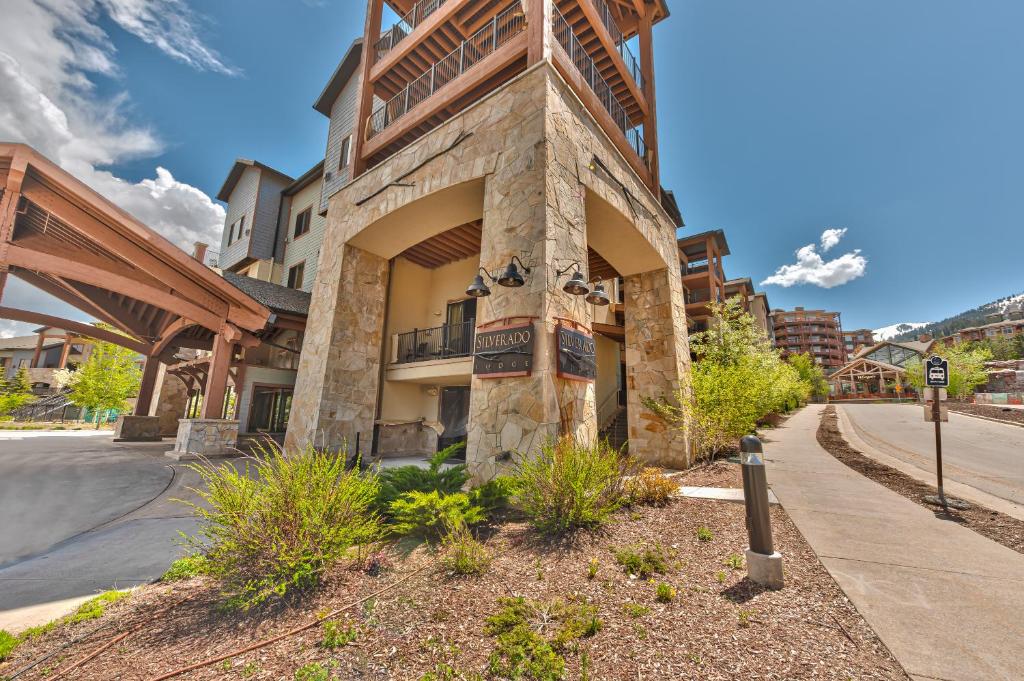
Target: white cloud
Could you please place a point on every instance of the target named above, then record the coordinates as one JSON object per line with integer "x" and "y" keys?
{"x": 811, "y": 268}
{"x": 50, "y": 54}
{"x": 831, "y": 237}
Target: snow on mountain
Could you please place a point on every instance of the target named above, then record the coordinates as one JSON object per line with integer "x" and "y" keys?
{"x": 1001, "y": 305}
{"x": 887, "y": 332}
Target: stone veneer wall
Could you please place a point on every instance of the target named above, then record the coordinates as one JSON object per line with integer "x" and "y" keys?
{"x": 209, "y": 438}
{"x": 407, "y": 439}
{"x": 532, "y": 143}
{"x": 171, "y": 402}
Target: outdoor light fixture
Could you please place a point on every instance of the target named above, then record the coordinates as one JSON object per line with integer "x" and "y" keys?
{"x": 510, "y": 278}
{"x": 598, "y": 296}
{"x": 576, "y": 285}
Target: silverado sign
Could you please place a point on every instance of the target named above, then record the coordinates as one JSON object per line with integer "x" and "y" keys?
{"x": 576, "y": 354}
{"x": 503, "y": 352}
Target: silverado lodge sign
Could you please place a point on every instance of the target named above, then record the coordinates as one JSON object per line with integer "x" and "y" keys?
{"x": 504, "y": 351}
{"x": 576, "y": 353}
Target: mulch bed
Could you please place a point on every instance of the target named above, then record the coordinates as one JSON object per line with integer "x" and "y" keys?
{"x": 721, "y": 626}
{"x": 718, "y": 473}
{"x": 992, "y": 411}
{"x": 997, "y": 526}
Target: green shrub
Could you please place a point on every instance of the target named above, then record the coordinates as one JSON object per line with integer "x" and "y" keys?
{"x": 273, "y": 530}
{"x": 650, "y": 487}
{"x": 335, "y": 636}
{"x": 570, "y": 485}
{"x": 394, "y": 482}
{"x": 704, "y": 534}
{"x": 8, "y": 642}
{"x": 635, "y": 610}
{"x": 735, "y": 561}
{"x": 644, "y": 562}
{"x": 521, "y": 652}
{"x": 94, "y": 607}
{"x": 464, "y": 555}
{"x": 186, "y": 568}
{"x": 494, "y": 495}
{"x": 431, "y": 513}
{"x": 314, "y": 671}
{"x": 592, "y": 568}
{"x": 666, "y": 593}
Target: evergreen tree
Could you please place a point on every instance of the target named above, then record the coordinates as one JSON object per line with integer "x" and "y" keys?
{"x": 21, "y": 383}
{"x": 16, "y": 392}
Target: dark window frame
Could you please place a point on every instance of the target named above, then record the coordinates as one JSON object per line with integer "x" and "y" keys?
{"x": 304, "y": 220}
{"x": 345, "y": 153}
{"x": 301, "y": 267}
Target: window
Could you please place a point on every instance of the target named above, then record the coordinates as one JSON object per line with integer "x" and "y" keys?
{"x": 302, "y": 222}
{"x": 235, "y": 230}
{"x": 346, "y": 151}
{"x": 295, "y": 275}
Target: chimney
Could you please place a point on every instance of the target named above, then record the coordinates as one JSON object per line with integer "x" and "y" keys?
{"x": 925, "y": 338}
{"x": 199, "y": 251}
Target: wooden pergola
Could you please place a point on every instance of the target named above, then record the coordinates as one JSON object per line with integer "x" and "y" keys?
{"x": 867, "y": 372}
{"x": 62, "y": 237}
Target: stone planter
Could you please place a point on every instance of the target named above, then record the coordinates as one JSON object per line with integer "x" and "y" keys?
{"x": 205, "y": 438}
{"x": 137, "y": 429}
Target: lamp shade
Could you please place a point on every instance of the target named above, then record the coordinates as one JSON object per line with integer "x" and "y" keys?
{"x": 478, "y": 289}
{"x": 511, "y": 277}
{"x": 576, "y": 285}
{"x": 598, "y": 296}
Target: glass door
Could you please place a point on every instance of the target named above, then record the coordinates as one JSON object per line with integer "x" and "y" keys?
{"x": 454, "y": 415}
{"x": 269, "y": 410}
{"x": 459, "y": 328}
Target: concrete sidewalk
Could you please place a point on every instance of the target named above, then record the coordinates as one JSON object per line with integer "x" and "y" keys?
{"x": 945, "y": 600}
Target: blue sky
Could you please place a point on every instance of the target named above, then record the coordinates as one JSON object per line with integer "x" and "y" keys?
{"x": 898, "y": 121}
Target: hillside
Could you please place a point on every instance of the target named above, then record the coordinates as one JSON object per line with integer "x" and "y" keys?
{"x": 893, "y": 330}
{"x": 973, "y": 317}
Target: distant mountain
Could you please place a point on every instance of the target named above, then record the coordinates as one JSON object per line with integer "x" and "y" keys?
{"x": 947, "y": 327}
{"x": 904, "y": 328}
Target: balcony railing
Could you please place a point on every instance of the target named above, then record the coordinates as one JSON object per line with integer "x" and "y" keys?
{"x": 584, "y": 63}
{"x": 701, "y": 295}
{"x": 501, "y": 29}
{"x": 404, "y": 26}
{"x": 440, "y": 342}
{"x": 632, "y": 65}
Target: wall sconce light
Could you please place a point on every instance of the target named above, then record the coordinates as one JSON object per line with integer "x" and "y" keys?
{"x": 578, "y": 286}
{"x": 510, "y": 278}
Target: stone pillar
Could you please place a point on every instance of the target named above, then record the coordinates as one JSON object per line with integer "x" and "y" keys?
{"x": 657, "y": 363}
{"x": 336, "y": 389}
{"x": 534, "y": 208}
{"x": 205, "y": 438}
{"x": 217, "y": 378}
{"x": 149, "y": 375}
{"x": 171, "y": 403}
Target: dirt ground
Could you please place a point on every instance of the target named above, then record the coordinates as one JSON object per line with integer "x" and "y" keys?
{"x": 996, "y": 526}
{"x": 992, "y": 411}
{"x": 720, "y": 625}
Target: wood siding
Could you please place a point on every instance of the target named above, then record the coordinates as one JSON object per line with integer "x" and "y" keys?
{"x": 343, "y": 116}
{"x": 306, "y": 247}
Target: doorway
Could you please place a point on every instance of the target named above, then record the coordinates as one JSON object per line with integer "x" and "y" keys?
{"x": 269, "y": 410}
{"x": 454, "y": 416}
{"x": 459, "y": 323}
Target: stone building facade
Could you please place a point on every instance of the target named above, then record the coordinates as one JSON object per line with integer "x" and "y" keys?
{"x": 532, "y": 165}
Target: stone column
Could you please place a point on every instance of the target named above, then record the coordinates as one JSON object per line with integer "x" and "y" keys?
{"x": 336, "y": 390}
{"x": 217, "y": 378}
{"x": 171, "y": 403}
{"x": 657, "y": 363}
{"x": 534, "y": 208}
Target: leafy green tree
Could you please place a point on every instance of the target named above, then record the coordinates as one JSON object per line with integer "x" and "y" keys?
{"x": 16, "y": 392}
{"x": 106, "y": 380}
{"x": 1018, "y": 345}
{"x": 810, "y": 373}
{"x": 1001, "y": 347}
{"x": 966, "y": 368}
{"x": 737, "y": 380}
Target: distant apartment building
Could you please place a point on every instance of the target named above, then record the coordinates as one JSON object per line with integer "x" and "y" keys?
{"x": 817, "y": 332}
{"x": 852, "y": 340}
{"x": 1006, "y": 324}
{"x": 704, "y": 282}
{"x": 43, "y": 353}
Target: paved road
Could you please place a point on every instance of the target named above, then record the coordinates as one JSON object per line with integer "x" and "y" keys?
{"x": 985, "y": 455}
{"x": 944, "y": 599}
{"x": 82, "y": 514}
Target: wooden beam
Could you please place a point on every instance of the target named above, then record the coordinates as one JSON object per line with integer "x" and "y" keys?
{"x": 170, "y": 332}
{"x": 364, "y": 107}
{"x": 605, "y": 38}
{"x": 217, "y": 378}
{"x": 111, "y": 281}
{"x": 650, "y": 93}
{"x": 145, "y": 398}
{"x": 538, "y": 30}
{"x": 414, "y": 39}
{"x": 85, "y": 330}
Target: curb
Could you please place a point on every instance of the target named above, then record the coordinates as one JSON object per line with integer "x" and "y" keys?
{"x": 988, "y": 418}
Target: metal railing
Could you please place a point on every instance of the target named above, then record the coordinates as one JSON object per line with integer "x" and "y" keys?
{"x": 49, "y": 408}
{"x": 584, "y": 63}
{"x": 404, "y": 26}
{"x": 701, "y": 295}
{"x": 632, "y": 65}
{"x": 440, "y": 342}
{"x": 501, "y": 29}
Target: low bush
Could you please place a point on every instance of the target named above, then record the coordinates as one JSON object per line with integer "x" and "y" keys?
{"x": 570, "y": 485}
{"x": 495, "y": 495}
{"x": 643, "y": 562}
{"x": 335, "y": 636}
{"x": 704, "y": 534}
{"x": 394, "y": 482}
{"x": 666, "y": 593}
{"x": 272, "y": 531}
{"x": 650, "y": 487}
{"x": 521, "y": 652}
{"x": 463, "y": 554}
{"x": 186, "y": 568}
{"x": 430, "y": 514}
{"x": 8, "y": 642}
{"x": 314, "y": 671}
{"x": 92, "y": 609}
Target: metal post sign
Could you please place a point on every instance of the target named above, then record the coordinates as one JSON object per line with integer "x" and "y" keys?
{"x": 936, "y": 372}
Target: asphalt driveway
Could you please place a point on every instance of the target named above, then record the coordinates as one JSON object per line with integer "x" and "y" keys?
{"x": 80, "y": 515}
{"x": 982, "y": 454}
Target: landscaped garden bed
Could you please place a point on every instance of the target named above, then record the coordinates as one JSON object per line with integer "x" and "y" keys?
{"x": 652, "y": 592}
{"x": 989, "y": 411}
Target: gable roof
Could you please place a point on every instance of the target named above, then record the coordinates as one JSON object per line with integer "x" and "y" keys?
{"x": 236, "y": 174}
{"x": 25, "y": 343}
{"x": 278, "y": 298}
{"x": 346, "y": 69}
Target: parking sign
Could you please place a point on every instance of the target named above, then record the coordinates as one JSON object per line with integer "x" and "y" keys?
{"x": 936, "y": 372}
